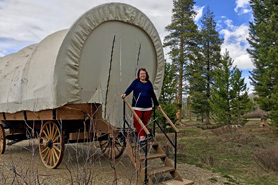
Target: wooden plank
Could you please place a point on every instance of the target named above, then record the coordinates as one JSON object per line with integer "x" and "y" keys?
{"x": 153, "y": 156}
{"x": 66, "y": 112}
{"x": 78, "y": 136}
{"x": 160, "y": 170}
{"x": 176, "y": 182}
{"x": 14, "y": 116}
{"x": 41, "y": 115}
{"x": 137, "y": 117}
{"x": 16, "y": 131}
{"x": 75, "y": 111}
{"x": 168, "y": 119}
{"x": 1, "y": 116}
{"x": 103, "y": 126}
{"x": 168, "y": 163}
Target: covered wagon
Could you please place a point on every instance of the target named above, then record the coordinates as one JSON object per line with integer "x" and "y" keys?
{"x": 71, "y": 82}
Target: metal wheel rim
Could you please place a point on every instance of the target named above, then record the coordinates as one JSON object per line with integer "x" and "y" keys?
{"x": 51, "y": 145}
{"x": 107, "y": 148}
{"x": 2, "y": 139}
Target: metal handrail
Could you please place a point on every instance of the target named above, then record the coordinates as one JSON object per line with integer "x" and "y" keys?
{"x": 137, "y": 117}
{"x": 175, "y": 129}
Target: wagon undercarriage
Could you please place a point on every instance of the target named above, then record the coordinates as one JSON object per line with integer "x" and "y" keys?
{"x": 53, "y": 128}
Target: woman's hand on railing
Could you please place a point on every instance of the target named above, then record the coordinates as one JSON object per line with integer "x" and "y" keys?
{"x": 123, "y": 96}
{"x": 159, "y": 107}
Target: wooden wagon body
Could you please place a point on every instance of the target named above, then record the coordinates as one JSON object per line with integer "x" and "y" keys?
{"x": 68, "y": 86}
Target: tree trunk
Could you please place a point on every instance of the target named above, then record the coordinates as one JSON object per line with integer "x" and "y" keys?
{"x": 180, "y": 80}
{"x": 208, "y": 88}
{"x": 189, "y": 107}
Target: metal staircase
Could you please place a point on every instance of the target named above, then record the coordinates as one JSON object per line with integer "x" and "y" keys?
{"x": 146, "y": 152}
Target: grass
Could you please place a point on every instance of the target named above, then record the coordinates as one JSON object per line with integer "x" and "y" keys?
{"x": 229, "y": 153}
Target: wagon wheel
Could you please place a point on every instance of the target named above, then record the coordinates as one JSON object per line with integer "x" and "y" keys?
{"x": 51, "y": 145}
{"x": 2, "y": 139}
{"x": 107, "y": 147}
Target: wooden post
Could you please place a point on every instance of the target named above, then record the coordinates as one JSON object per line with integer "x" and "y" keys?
{"x": 168, "y": 119}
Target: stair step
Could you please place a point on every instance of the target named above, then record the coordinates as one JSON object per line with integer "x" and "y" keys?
{"x": 152, "y": 143}
{"x": 176, "y": 182}
{"x": 153, "y": 156}
{"x": 160, "y": 170}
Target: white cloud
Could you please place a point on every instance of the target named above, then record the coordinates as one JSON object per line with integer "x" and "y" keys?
{"x": 235, "y": 41}
{"x": 29, "y": 21}
{"x": 242, "y": 7}
{"x": 199, "y": 11}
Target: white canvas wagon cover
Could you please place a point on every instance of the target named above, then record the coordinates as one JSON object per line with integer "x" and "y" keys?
{"x": 92, "y": 62}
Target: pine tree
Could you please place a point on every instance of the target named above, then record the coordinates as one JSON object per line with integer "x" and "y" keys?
{"x": 181, "y": 40}
{"x": 241, "y": 102}
{"x": 222, "y": 96}
{"x": 168, "y": 93}
{"x": 197, "y": 86}
{"x": 264, "y": 51}
{"x": 205, "y": 63}
{"x": 229, "y": 98}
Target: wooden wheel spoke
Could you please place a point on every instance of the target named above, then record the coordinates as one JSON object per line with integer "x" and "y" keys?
{"x": 52, "y": 131}
{"x": 44, "y": 139}
{"x": 117, "y": 148}
{"x": 110, "y": 149}
{"x": 55, "y": 152}
{"x": 56, "y": 133}
{"x": 106, "y": 147}
{"x": 46, "y": 129}
{"x": 102, "y": 144}
{"x": 54, "y": 140}
{"x": 57, "y": 149}
{"x": 49, "y": 157}
{"x": 54, "y": 158}
{"x": 49, "y": 131}
{"x": 46, "y": 154}
{"x": 44, "y": 150}
{"x": 47, "y": 137}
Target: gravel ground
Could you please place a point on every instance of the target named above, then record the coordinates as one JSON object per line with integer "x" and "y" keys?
{"x": 18, "y": 165}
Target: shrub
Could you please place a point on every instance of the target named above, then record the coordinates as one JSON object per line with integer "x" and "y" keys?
{"x": 268, "y": 159}
{"x": 258, "y": 113}
{"x": 225, "y": 129}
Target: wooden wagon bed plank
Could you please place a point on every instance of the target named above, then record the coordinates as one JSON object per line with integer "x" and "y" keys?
{"x": 41, "y": 115}
{"x": 2, "y": 116}
{"x": 66, "y": 112}
{"x": 14, "y": 116}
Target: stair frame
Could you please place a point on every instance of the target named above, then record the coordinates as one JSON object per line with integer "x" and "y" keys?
{"x": 136, "y": 160}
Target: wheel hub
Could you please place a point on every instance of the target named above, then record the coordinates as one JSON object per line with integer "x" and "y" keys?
{"x": 49, "y": 144}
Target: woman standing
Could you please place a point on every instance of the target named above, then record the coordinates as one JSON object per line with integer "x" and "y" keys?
{"x": 143, "y": 95}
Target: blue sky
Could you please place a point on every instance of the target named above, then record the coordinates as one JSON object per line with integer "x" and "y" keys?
{"x": 232, "y": 18}
{"x": 24, "y": 22}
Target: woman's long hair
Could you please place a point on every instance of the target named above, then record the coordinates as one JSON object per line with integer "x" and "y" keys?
{"x": 138, "y": 73}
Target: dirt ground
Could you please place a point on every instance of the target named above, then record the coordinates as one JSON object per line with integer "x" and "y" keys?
{"x": 21, "y": 164}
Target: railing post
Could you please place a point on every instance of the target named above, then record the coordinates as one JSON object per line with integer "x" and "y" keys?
{"x": 176, "y": 149}
{"x": 124, "y": 117}
{"x": 146, "y": 180}
{"x": 154, "y": 121}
